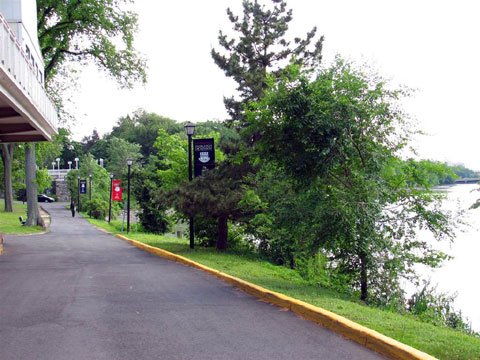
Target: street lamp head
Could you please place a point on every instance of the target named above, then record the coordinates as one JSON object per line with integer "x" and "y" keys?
{"x": 111, "y": 176}
{"x": 78, "y": 177}
{"x": 190, "y": 128}
{"x": 57, "y": 159}
{"x": 129, "y": 162}
{"x": 90, "y": 175}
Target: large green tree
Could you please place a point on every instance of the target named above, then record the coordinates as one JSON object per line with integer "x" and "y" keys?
{"x": 338, "y": 138}
{"x": 90, "y": 30}
{"x": 74, "y": 31}
{"x": 260, "y": 47}
{"x": 142, "y": 128}
{"x": 118, "y": 151}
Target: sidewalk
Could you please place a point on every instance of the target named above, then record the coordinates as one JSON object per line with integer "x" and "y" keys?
{"x": 78, "y": 293}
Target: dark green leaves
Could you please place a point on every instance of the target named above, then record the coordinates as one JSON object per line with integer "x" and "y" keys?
{"x": 341, "y": 188}
{"x": 90, "y": 30}
{"x": 260, "y": 47}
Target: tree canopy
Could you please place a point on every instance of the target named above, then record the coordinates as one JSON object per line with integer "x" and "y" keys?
{"x": 142, "y": 128}
{"x": 90, "y": 30}
{"x": 338, "y": 137}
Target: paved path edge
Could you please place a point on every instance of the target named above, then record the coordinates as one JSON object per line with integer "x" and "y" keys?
{"x": 369, "y": 338}
{"x": 44, "y": 226}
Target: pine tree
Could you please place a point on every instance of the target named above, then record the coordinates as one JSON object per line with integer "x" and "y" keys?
{"x": 261, "y": 48}
{"x": 216, "y": 195}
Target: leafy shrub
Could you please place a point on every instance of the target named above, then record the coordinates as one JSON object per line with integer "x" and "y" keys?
{"x": 206, "y": 231}
{"x": 313, "y": 268}
{"x": 135, "y": 227}
{"x": 437, "y": 308}
{"x": 152, "y": 218}
{"x": 96, "y": 208}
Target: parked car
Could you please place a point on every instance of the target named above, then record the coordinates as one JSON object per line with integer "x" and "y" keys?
{"x": 45, "y": 198}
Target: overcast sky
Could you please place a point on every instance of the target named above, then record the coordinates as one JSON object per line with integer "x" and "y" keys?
{"x": 432, "y": 46}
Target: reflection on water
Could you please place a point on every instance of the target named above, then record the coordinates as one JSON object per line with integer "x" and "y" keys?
{"x": 460, "y": 275}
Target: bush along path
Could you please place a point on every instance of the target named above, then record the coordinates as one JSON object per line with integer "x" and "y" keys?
{"x": 440, "y": 342}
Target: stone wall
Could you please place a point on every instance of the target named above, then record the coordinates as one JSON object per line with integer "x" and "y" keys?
{"x": 61, "y": 190}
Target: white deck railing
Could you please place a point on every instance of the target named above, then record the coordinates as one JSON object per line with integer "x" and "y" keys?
{"x": 13, "y": 60}
{"x": 57, "y": 174}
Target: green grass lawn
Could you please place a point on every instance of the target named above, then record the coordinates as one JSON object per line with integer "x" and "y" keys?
{"x": 10, "y": 224}
{"x": 443, "y": 343}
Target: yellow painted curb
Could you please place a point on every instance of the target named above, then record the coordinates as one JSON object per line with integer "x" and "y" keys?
{"x": 382, "y": 344}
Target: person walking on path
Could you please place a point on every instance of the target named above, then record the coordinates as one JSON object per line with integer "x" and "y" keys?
{"x": 72, "y": 207}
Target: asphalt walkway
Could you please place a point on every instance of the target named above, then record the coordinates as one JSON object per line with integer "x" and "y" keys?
{"x": 78, "y": 293}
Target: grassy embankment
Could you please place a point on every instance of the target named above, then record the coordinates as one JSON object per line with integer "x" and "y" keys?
{"x": 10, "y": 224}
{"x": 440, "y": 342}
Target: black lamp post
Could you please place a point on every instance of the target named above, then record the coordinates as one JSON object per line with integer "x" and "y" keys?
{"x": 190, "y": 130}
{"x": 78, "y": 193}
{"x": 110, "y": 201}
{"x": 129, "y": 164}
{"x": 90, "y": 195}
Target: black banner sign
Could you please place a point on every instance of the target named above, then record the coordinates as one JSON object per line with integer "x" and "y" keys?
{"x": 83, "y": 186}
{"x": 203, "y": 156}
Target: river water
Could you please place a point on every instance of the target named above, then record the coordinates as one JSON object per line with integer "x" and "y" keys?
{"x": 461, "y": 274}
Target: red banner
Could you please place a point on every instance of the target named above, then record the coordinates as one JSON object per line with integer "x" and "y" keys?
{"x": 117, "y": 191}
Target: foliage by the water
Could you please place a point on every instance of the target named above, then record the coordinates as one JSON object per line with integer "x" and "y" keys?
{"x": 440, "y": 173}
{"x": 437, "y": 308}
{"x": 336, "y": 140}
{"x": 462, "y": 172}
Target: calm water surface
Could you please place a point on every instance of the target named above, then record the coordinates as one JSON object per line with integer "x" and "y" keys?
{"x": 461, "y": 274}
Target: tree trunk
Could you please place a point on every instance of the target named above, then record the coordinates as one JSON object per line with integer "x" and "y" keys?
{"x": 33, "y": 214}
{"x": 222, "y": 233}
{"x": 363, "y": 277}
{"x": 7, "y": 157}
{"x": 291, "y": 261}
